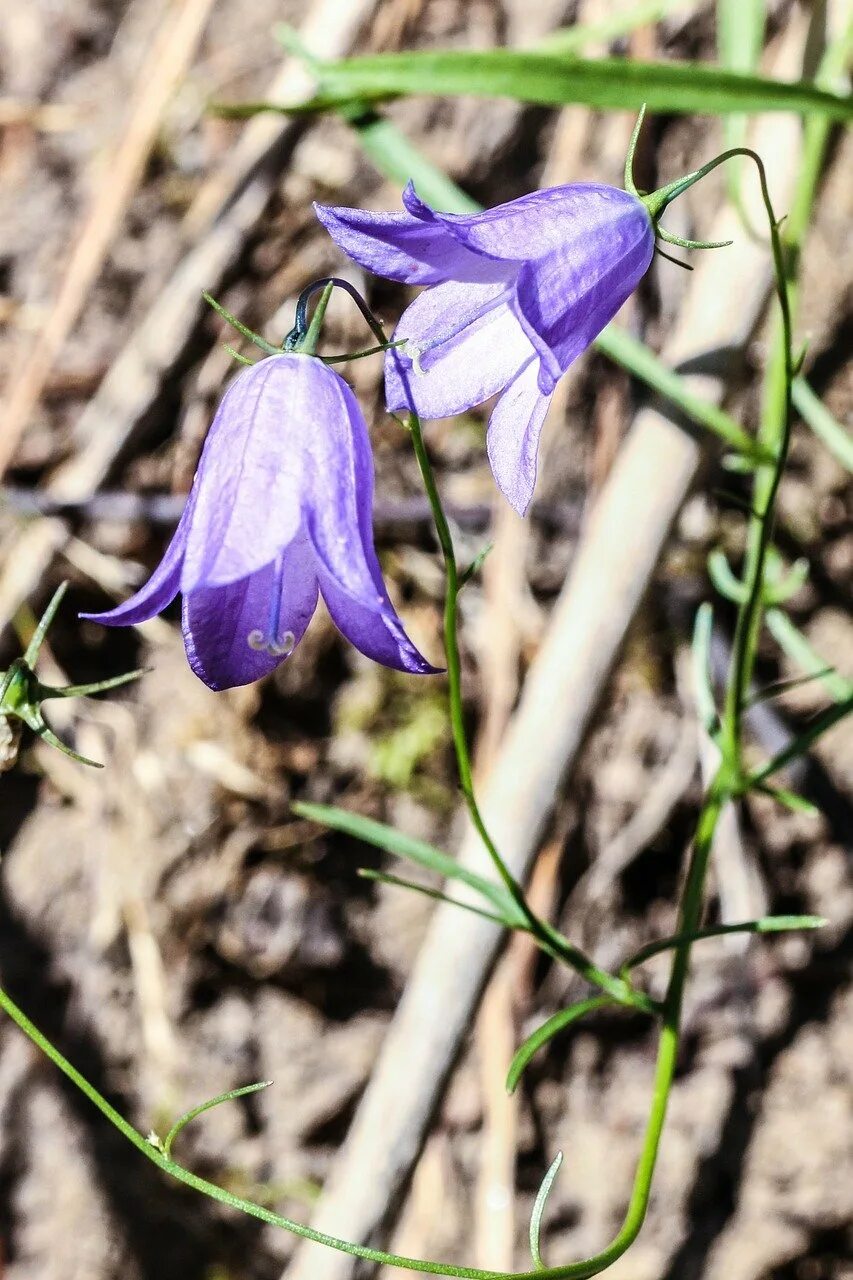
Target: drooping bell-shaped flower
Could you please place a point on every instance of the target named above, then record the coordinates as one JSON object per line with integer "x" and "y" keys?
{"x": 280, "y": 509}
{"x": 514, "y": 295}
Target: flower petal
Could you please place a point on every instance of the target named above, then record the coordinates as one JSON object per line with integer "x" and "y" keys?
{"x": 218, "y": 621}
{"x": 565, "y": 299}
{"x": 340, "y": 524}
{"x": 512, "y": 440}
{"x": 250, "y": 478}
{"x": 400, "y": 247}
{"x": 161, "y": 588}
{"x": 471, "y": 344}
{"x": 535, "y": 224}
{"x": 376, "y": 632}
{"x": 338, "y": 495}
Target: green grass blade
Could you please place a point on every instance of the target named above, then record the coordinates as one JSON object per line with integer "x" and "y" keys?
{"x": 767, "y": 924}
{"x": 828, "y": 429}
{"x": 418, "y": 851}
{"x": 813, "y": 732}
{"x": 539, "y": 1209}
{"x": 573, "y": 39}
{"x": 740, "y": 36}
{"x": 557, "y": 80}
{"x": 400, "y": 882}
{"x": 792, "y": 642}
{"x": 546, "y": 1032}
{"x": 703, "y": 686}
{"x": 393, "y": 154}
{"x": 190, "y": 1115}
{"x": 625, "y": 350}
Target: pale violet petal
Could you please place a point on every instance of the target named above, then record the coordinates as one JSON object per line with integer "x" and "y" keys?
{"x": 565, "y": 299}
{"x": 465, "y": 349}
{"x": 225, "y": 627}
{"x": 251, "y": 475}
{"x": 512, "y": 439}
{"x": 400, "y": 247}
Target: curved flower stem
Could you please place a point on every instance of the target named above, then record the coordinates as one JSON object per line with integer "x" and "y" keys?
{"x": 549, "y": 937}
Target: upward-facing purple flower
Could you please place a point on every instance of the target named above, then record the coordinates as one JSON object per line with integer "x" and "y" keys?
{"x": 514, "y": 295}
{"x": 280, "y": 508}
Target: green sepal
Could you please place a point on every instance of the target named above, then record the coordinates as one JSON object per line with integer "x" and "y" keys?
{"x": 22, "y": 693}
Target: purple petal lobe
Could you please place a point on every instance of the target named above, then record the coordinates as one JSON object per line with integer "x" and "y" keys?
{"x": 161, "y": 588}
{"x": 340, "y": 524}
{"x": 278, "y": 602}
{"x": 565, "y": 299}
{"x": 538, "y": 223}
{"x": 338, "y": 497}
{"x": 512, "y": 440}
{"x": 250, "y": 477}
{"x": 377, "y": 632}
{"x": 470, "y": 345}
{"x": 400, "y": 247}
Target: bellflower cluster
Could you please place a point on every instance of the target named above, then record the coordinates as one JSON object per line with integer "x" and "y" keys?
{"x": 279, "y": 511}
{"x": 514, "y": 295}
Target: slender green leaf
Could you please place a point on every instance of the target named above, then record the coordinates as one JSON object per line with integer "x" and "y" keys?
{"x": 44, "y": 624}
{"x": 790, "y": 799}
{"x": 400, "y": 882}
{"x": 838, "y": 439}
{"x": 813, "y": 732}
{"x": 767, "y": 924}
{"x": 546, "y": 1032}
{"x": 724, "y": 580}
{"x": 703, "y": 687}
{"x": 625, "y": 350}
{"x": 778, "y": 687}
{"x": 539, "y": 1209}
{"x": 418, "y": 851}
{"x": 391, "y": 151}
{"x": 792, "y": 641}
{"x": 556, "y": 80}
{"x": 475, "y": 566}
{"x": 646, "y": 14}
{"x": 185, "y": 1119}
{"x": 740, "y": 36}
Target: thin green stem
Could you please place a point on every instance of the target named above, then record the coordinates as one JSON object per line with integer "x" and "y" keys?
{"x": 543, "y": 931}
{"x": 775, "y": 439}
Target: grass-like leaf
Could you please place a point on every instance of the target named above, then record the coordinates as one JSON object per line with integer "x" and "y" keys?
{"x": 767, "y": 924}
{"x": 188, "y": 1116}
{"x": 400, "y": 882}
{"x": 838, "y": 439}
{"x": 553, "y": 79}
{"x": 418, "y": 851}
{"x": 813, "y": 732}
{"x": 539, "y": 1209}
{"x": 792, "y": 641}
{"x": 703, "y": 685}
{"x": 546, "y": 1032}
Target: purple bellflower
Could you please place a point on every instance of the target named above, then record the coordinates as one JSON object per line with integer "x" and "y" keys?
{"x": 280, "y": 509}
{"x": 513, "y": 296}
